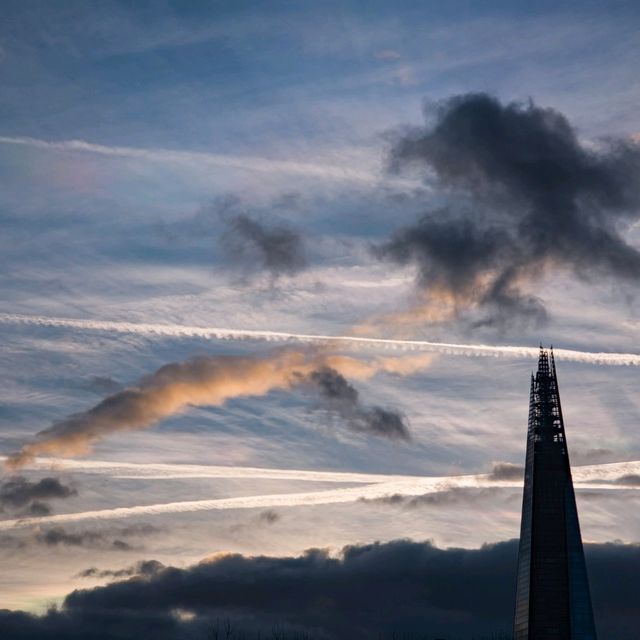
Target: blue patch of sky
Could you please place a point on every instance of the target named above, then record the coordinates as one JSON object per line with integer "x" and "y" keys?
{"x": 145, "y": 74}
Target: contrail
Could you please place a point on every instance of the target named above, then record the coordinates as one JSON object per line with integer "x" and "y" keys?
{"x": 166, "y": 471}
{"x": 163, "y": 471}
{"x": 220, "y": 333}
{"x": 414, "y": 487}
{"x": 339, "y": 172}
{"x": 608, "y": 471}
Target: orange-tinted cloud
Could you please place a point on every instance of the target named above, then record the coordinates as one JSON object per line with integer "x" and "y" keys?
{"x": 204, "y": 381}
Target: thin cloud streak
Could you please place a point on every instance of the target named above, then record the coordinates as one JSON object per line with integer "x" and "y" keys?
{"x": 590, "y": 477}
{"x": 417, "y": 486}
{"x": 155, "y": 471}
{"x": 208, "y": 160}
{"x": 160, "y": 471}
{"x": 219, "y": 333}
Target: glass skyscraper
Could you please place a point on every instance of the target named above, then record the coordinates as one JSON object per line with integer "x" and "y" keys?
{"x": 552, "y": 599}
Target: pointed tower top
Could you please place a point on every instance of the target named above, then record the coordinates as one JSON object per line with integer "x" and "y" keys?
{"x": 543, "y": 364}
{"x": 552, "y": 595}
{"x": 553, "y": 363}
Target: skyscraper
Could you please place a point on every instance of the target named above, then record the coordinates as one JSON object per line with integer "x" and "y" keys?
{"x": 552, "y": 598}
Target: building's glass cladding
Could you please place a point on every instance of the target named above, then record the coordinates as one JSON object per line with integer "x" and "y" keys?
{"x": 552, "y": 599}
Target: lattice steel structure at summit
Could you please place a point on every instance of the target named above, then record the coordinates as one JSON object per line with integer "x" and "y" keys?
{"x": 552, "y": 599}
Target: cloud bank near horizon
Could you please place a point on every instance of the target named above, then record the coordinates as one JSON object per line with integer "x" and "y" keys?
{"x": 442, "y": 591}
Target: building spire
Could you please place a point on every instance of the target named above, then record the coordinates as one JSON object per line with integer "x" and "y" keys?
{"x": 552, "y": 599}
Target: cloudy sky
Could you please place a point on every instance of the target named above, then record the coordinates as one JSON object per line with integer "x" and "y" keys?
{"x": 190, "y": 192}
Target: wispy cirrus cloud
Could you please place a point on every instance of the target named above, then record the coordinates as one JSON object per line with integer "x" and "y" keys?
{"x": 174, "y": 471}
{"x": 206, "y": 160}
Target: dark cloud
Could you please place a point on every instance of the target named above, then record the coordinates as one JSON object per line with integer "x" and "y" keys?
{"x": 259, "y": 247}
{"x": 212, "y": 381}
{"x": 525, "y": 195}
{"x": 269, "y": 516}
{"x": 118, "y": 539}
{"x": 37, "y": 509}
{"x": 367, "y": 591}
{"x": 252, "y": 239}
{"x": 58, "y": 536}
{"x": 444, "y": 498}
{"x": 28, "y": 497}
{"x": 19, "y": 625}
{"x": 339, "y": 396}
{"x": 265, "y": 518}
{"x": 108, "y": 539}
{"x": 632, "y": 480}
{"x": 142, "y": 568}
{"x": 506, "y": 471}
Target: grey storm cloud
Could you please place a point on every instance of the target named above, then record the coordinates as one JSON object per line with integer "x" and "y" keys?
{"x": 275, "y": 249}
{"x": 367, "y": 591}
{"x": 339, "y": 396}
{"x": 524, "y": 194}
{"x": 31, "y": 497}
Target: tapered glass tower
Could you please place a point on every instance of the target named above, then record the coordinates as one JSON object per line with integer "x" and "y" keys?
{"x": 552, "y": 599}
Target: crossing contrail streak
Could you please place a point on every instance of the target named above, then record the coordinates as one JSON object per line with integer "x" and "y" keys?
{"x": 164, "y": 471}
{"x": 608, "y": 471}
{"x": 414, "y": 487}
{"x": 219, "y": 333}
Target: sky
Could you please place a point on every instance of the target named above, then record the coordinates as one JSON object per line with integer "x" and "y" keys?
{"x": 197, "y": 198}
